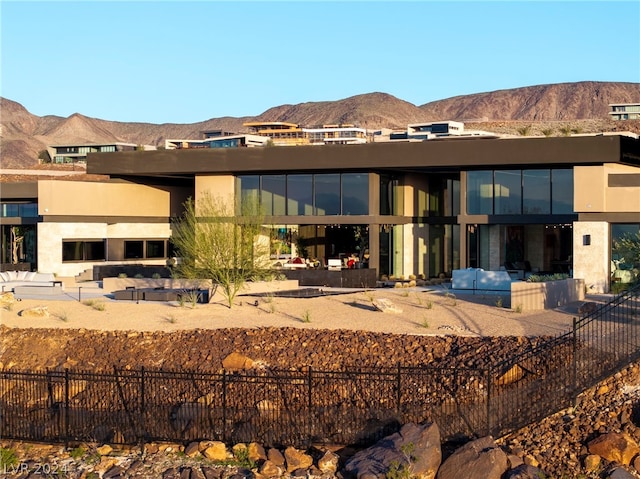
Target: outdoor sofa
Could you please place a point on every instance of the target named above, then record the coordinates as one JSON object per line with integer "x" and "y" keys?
{"x": 9, "y": 280}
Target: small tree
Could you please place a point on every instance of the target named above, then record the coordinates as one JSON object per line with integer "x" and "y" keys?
{"x": 213, "y": 242}
{"x": 44, "y": 156}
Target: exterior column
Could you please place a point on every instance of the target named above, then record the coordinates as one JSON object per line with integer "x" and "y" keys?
{"x": 592, "y": 255}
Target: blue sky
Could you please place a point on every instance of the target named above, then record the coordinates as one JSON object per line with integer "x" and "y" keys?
{"x": 184, "y": 62}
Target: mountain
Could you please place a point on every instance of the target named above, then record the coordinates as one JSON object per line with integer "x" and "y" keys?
{"x": 584, "y": 104}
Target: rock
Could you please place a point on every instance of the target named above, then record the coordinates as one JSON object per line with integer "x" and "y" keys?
{"x": 7, "y": 300}
{"x": 237, "y": 361}
{"x": 618, "y": 447}
{"x": 217, "y": 451}
{"x": 240, "y": 450}
{"x": 36, "y": 312}
{"x": 415, "y": 449}
{"x": 276, "y": 457}
{"x": 619, "y": 473}
{"x": 514, "y": 374}
{"x": 524, "y": 471}
{"x": 196, "y": 473}
{"x": 192, "y": 449}
{"x": 592, "y": 462}
{"x": 104, "y": 450}
{"x": 296, "y": 459}
{"x": 171, "y": 473}
{"x": 113, "y": 472}
{"x": 386, "y": 306}
{"x": 269, "y": 469}
{"x": 211, "y": 473}
{"x": 256, "y": 452}
{"x": 479, "y": 459}
{"x": 328, "y": 463}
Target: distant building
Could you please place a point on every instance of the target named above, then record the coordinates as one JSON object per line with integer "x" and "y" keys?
{"x": 437, "y": 129}
{"x": 78, "y": 153}
{"x": 217, "y": 139}
{"x": 292, "y": 134}
{"x": 625, "y": 111}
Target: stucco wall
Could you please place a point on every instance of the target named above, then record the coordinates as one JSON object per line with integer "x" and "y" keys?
{"x": 591, "y": 261}
{"x": 218, "y": 186}
{"x": 78, "y": 198}
{"x": 593, "y": 195}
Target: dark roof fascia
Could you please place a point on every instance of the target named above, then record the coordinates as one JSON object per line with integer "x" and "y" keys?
{"x": 461, "y": 154}
{"x": 19, "y": 191}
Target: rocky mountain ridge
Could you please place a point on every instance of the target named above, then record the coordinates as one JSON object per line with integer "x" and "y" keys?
{"x": 24, "y": 135}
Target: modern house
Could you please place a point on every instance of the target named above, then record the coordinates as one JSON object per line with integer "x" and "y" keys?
{"x": 78, "y": 153}
{"x": 292, "y": 134}
{"x": 552, "y": 204}
{"x": 439, "y": 129}
{"x": 218, "y": 139}
{"x": 625, "y": 111}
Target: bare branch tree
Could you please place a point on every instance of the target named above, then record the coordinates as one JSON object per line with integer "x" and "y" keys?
{"x": 213, "y": 242}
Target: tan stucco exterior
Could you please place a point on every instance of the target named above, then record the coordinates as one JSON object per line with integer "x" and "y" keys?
{"x": 75, "y": 198}
{"x": 594, "y": 195}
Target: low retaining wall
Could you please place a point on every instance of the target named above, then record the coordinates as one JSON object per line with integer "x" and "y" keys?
{"x": 346, "y": 278}
{"x": 250, "y": 287}
{"x": 546, "y": 295}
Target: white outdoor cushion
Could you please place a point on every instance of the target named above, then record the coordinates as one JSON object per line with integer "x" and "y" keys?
{"x": 22, "y": 275}
{"x": 30, "y": 276}
{"x": 4, "y": 276}
{"x": 13, "y": 275}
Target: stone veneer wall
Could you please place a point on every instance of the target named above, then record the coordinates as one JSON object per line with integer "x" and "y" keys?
{"x": 592, "y": 262}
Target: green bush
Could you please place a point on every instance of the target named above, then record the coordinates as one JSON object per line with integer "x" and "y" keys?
{"x": 8, "y": 458}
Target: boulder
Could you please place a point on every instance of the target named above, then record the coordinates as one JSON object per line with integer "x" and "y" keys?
{"x": 192, "y": 449}
{"x": 328, "y": 463}
{"x": 297, "y": 459}
{"x": 276, "y": 457}
{"x": 256, "y": 452}
{"x": 619, "y": 473}
{"x": 414, "y": 450}
{"x": 479, "y": 459}
{"x": 269, "y": 469}
{"x": 36, "y": 312}
{"x": 237, "y": 361}
{"x": 524, "y": 471}
{"x": 386, "y": 306}
{"x": 613, "y": 446}
{"x": 104, "y": 450}
{"x": 217, "y": 451}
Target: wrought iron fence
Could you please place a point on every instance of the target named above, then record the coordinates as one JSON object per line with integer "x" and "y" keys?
{"x": 300, "y": 407}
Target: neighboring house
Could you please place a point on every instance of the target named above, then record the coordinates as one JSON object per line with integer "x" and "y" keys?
{"x": 78, "y": 153}
{"x": 434, "y": 130}
{"x": 292, "y": 134}
{"x": 428, "y": 207}
{"x": 625, "y": 111}
{"x": 218, "y": 139}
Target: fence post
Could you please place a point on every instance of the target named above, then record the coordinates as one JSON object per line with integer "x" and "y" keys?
{"x": 489, "y": 399}
{"x": 143, "y": 428}
{"x": 224, "y": 405}
{"x": 66, "y": 408}
{"x": 310, "y": 405}
{"x": 575, "y": 361}
{"x": 399, "y": 392}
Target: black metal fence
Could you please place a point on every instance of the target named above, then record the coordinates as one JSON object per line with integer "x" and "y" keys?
{"x": 300, "y": 407}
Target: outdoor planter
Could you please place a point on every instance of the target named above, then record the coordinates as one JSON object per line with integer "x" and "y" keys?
{"x": 534, "y": 296}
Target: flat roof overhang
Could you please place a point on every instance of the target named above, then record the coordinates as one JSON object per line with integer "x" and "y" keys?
{"x": 456, "y": 154}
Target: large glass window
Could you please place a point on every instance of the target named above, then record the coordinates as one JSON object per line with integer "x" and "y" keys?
{"x": 83, "y": 250}
{"x": 134, "y": 249}
{"x": 536, "y": 192}
{"x": 327, "y": 194}
{"x": 299, "y": 194}
{"x": 444, "y": 196}
{"x": 514, "y": 192}
{"x": 273, "y": 195}
{"x": 480, "y": 192}
{"x": 390, "y": 195}
{"x": 562, "y": 191}
{"x": 155, "y": 249}
{"x": 247, "y": 187}
{"x": 508, "y": 192}
{"x": 355, "y": 194}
